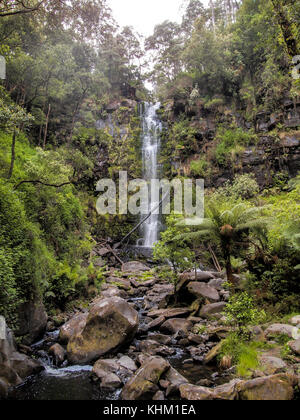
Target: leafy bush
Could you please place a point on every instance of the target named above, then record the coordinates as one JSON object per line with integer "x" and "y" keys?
{"x": 200, "y": 168}
{"x": 241, "y": 311}
{"x": 231, "y": 141}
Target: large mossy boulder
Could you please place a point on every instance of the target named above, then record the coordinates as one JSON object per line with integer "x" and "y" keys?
{"x": 32, "y": 322}
{"x": 110, "y": 324}
{"x": 144, "y": 384}
{"x": 269, "y": 388}
{"x": 74, "y": 326}
{"x": 14, "y": 367}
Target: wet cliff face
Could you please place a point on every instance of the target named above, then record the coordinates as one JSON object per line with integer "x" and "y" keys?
{"x": 276, "y": 152}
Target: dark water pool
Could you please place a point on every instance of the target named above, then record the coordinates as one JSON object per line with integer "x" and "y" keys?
{"x": 69, "y": 384}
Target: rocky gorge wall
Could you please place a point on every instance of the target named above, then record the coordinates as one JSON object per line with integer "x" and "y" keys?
{"x": 277, "y": 150}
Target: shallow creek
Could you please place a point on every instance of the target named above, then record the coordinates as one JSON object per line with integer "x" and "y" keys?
{"x": 75, "y": 382}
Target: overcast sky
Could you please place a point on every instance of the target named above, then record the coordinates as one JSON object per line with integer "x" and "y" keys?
{"x": 143, "y": 15}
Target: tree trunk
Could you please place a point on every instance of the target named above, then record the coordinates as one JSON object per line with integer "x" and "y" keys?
{"x": 46, "y": 127}
{"x": 13, "y": 155}
{"x": 286, "y": 28}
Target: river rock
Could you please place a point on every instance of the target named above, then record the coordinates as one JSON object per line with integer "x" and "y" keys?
{"x": 170, "y": 313}
{"x": 24, "y": 366}
{"x": 72, "y": 327}
{"x": 279, "y": 329}
{"x": 200, "y": 276}
{"x": 160, "y": 338}
{"x": 271, "y": 364}
{"x": 134, "y": 267}
{"x": 202, "y": 290}
{"x": 295, "y": 346}
{"x": 152, "y": 348}
{"x": 217, "y": 283}
{"x": 32, "y": 322}
{"x": 295, "y": 320}
{"x": 229, "y": 391}
{"x": 159, "y": 296}
{"x": 58, "y": 352}
{"x": 110, "y": 323}
{"x": 175, "y": 379}
{"x": 213, "y": 353}
{"x": 159, "y": 396}
{"x": 143, "y": 385}
{"x": 214, "y": 309}
{"x": 176, "y": 326}
{"x": 111, "y": 381}
{"x": 191, "y": 392}
{"x": 3, "y": 390}
{"x": 269, "y": 388}
{"x": 127, "y": 363}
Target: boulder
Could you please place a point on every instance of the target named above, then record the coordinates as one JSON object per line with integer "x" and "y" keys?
{"x": 24, "y": 366}
{"x": 228, "y": 392}
{"x": 269, "y": 388}
{"x": 170, "y": 313}
{"x": 160, "y": 338}
{"x": 32, "y": 322}
{"x": 202, "y": 290}
{"x": 175, "y": 379}
{"x": 3, "y": 390}
{"x": 295, "y": 346}
{"x": 72, "y": 327}
{"x": 271, "y": 364}
{"x": 279, "y": 329}
{"x": 217, "y": 283}
{"x": 176, "y": 326}
{"x": 110, "y": 323}
{"x": 212, "y": 310}
{"x": 127, "y": 363}
{"x": 111, "y": 381}
{"x": 196, "y": 393}
{"x": 58, "y": 352}
{"x": 152, "y": 348}
{"x": 295, "y": 320}
{"x": 200, "y": 276}
{"x": 134, "y": 267}
{"x": 144, "y": 384}
{"x": 159, "y": 396}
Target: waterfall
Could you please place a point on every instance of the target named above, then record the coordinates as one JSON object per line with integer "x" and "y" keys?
{"x": 151, "y": 129}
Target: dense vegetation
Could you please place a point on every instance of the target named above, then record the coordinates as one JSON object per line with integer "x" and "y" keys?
{"x": 66, "y": 74}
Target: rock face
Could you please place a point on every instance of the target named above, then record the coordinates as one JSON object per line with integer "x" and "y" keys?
{"x": 111, "y": 323}
{"x": 202, "y": 290}
{"x": 72, "y": 327}
{"x": 14, "y": 366}
{"x": 32, "y": 321}
{"x": 143, "y": 385}
{"x": 214, "y": 309}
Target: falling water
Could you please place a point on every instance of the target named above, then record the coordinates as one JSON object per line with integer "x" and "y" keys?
{"x": 151, "y": 129}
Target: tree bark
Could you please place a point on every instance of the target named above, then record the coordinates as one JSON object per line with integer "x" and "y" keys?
{"x": 46, "y": 127}
{"x": 13, "y": 155}
{"x": 285, "y": 26}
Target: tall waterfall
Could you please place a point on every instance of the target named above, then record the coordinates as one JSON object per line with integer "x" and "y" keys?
{"x": 151, "y": 129}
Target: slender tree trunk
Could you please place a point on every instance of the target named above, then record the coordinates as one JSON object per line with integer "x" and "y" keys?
{"x": 46, "y": 127}
{"x": 13, "y": 155}
{"x": 286, "y": 27}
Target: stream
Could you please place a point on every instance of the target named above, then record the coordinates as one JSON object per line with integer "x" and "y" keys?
{"x": 71, "y": 383}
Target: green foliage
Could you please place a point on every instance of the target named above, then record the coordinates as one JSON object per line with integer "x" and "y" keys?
{"x": 231, "y": 142}
{"x": 175, "y": 251}
{"x": 241, "y": 311}
{"x": 200, "y": 168}
{"x": 244, "y": 355}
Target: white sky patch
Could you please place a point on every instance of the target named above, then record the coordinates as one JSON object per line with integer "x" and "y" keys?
{"x": 143, "y": 15}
